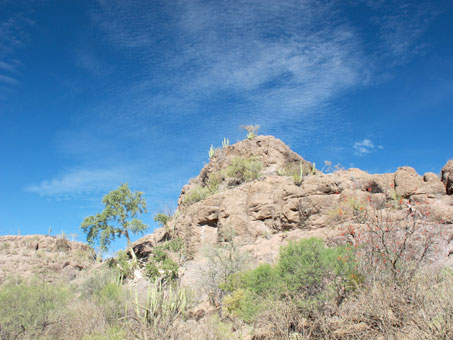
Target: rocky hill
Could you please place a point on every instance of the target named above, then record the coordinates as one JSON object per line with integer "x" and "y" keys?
{"x": 47, "y": 257}
{"x": 251, "y": 199}
{"x": 265, "y": 195}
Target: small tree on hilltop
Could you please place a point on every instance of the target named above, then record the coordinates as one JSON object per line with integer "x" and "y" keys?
{"x": 252, "y": 130}
{"x": 117, "y": 219}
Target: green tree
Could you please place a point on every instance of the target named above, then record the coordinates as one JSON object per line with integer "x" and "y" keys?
{"x": 119, "y": 218}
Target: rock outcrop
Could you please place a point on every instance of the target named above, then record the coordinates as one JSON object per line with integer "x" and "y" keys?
{"x": 267, "y": 212}
{"x": 46, "y": 257}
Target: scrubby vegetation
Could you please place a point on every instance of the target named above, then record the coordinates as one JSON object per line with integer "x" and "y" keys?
{"x": 308, "y": 273}
{"x": 99, "y": 307}
{"x": 296, "y": 171}
{"x": 239, "y": 171}
{"x": 243, "y": 169}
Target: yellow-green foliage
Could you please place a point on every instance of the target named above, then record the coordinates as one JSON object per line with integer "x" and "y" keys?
{"x": 214, "y": 181}
{"x": 113, "y": 333}
{"x": 296, "y": 171}
{"x": 124, "y": 265}
{"x": 252, "y": 130}
{"x": 307, "y": 270}
{"x": 27, "y": 309}
{"x": 196, "y": 194}
{"x": 199, "y": 192}
{"x": 160, "y": 265}
{"x": 243, "y": 169}
{"x": 162, "y": 306}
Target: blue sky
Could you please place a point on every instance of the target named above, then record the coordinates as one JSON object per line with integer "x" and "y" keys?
{"x": 96, "y": 93}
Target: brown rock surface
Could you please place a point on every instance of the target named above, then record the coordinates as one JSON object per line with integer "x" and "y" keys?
{"x": 46, "y": 257}
{"x": 447, "y": 177}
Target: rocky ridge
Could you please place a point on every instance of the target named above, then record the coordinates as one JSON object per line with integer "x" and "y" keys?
{"x": 46, "y": 257}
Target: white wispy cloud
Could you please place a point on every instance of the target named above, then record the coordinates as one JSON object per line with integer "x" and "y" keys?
{"x": 13, "y": 33}
{"x": 400, "y": 26}
{"x": 81, "y": 182}
{"x": 280, "y": 59}
{"x": 365, "y": 146}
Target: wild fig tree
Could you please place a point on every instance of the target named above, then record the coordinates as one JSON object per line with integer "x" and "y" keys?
{"x": 119, "y": 218}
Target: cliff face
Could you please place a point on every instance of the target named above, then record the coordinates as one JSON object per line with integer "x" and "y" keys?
{"x": 289, "y": 200}
{"x": 46, "y": 257}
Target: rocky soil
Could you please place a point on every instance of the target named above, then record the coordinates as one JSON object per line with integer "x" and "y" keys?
{"x": 46, "y": 257}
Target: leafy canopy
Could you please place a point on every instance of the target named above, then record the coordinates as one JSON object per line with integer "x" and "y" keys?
{"x": 118, "y": 218}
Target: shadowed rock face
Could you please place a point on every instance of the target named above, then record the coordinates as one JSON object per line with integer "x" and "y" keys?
{"x": 47, "y": 257}
{"x": 447, "y": 176}
{"x": 266, "y": 213}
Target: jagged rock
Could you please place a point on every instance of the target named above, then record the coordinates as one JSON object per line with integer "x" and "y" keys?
{"x": 447, "y": 177}
{"x": 143, "y": 247}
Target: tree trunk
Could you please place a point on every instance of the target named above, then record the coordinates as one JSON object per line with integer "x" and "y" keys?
{"x": 129, "y": 247}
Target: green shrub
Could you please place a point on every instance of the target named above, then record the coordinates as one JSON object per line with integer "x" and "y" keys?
{"x": 162, "y": 219}
{"x": 252, "y": 130}
{"x": 28, "y": 309}
{"x": 296, "y": 171}
{"x": 156, "y": 313}
{"x": 94, "y": 283}
{"x": 214, "y": 180}
{"x": 243, "y": 169}
{"x": 5, "y": 245}
{"x": 160, "y": 265}
{"x": 174, "y": 245}
{"x": 308, "y": 267}
{"x": 196, "y": 194}
{"x": 307, "y": 271}
{"x": 111, "y": 298}
{"x": 263, "y": 280}
{"x": 124, "y": 266}
{"x": 151, "y": 271}
{"x": 242, "y": 303}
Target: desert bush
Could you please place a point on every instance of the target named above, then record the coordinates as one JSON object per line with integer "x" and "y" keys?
{"x": 5, "y": 245}
{"x": 196, "y": 194}
{"x": 307, "y": 272}
{"x": 223, "y": 260}
{"x": 392, "y": 240}
{"x": 243, "y": 169}
{"x": 174, "y": 245}
{"x": 29, "y": 308}
{"x": 214, "y": 180}
{"x": 111, "y": 299}
{"x": 422, "y": 309}
{"x": 162, "y": 219}
{"x": 160, "y": 265}
{"x": 252, "y": 130}
{"x": 79, "y": 318}
{"x": 296, "y": 171}
{"x": 91, "y": 285}
{"x": 154, "y": 318}
{"x": 112, "y": 333}
{"x": 123, "y": 264}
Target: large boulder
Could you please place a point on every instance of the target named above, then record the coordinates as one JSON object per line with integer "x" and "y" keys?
{"x": 447, "y": 177}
